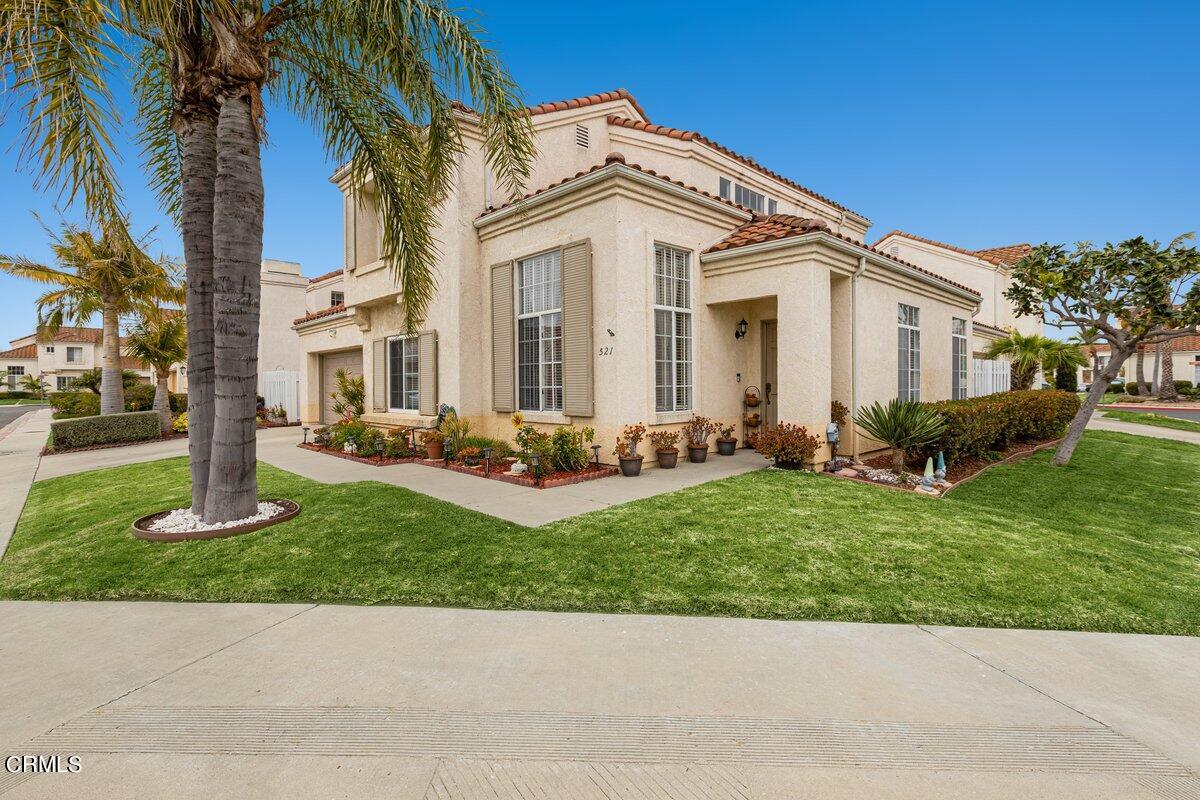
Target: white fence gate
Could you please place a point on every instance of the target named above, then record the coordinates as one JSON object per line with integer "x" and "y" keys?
{"x": 282, "y": 388}
{"x": 991, "y": 376}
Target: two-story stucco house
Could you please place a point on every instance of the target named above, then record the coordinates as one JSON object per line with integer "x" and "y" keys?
{"x": 60, "y": 357}
{"x": 649, "y": 274}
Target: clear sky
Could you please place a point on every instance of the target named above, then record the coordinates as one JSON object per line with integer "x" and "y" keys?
{"x": 979, "y": 124}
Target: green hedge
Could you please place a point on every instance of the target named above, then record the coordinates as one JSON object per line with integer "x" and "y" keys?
{"x": 980, "y": 426}
{"x": 18, "y": 395}
{"x": 68, "y": 405}
{"x": 133, "y": 426}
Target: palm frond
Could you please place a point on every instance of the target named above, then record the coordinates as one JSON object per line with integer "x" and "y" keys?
{"x": 162, "y": 155}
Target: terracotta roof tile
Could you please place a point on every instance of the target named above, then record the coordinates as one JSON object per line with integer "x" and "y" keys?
{"x": 693, "y": 136}
{"x": 1009, "y": 254}
{"x": 77, "y": 335}
{"x": 331, "y": 274}
{"x": 990, "y": 328}
{"x": 783, "y": 226}
{"x": 129, "y": 362}
{"x": 28, "y": 351}
{"x": 610, "y": 159}
{"x": 325, "y": 312}
{"x": 576, "y": 102}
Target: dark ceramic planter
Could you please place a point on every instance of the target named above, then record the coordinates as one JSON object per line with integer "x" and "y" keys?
{"x": 726, "y": 447}
{"x": 697, "y": 454}
{"x": 631, "y": 467}
{"x": 667, "y": 459}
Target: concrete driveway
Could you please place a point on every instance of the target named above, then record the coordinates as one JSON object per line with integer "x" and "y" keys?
{"x": 217, "y": 700}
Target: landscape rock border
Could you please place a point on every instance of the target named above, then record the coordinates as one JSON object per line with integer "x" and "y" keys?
{"x": 141, "y": 526}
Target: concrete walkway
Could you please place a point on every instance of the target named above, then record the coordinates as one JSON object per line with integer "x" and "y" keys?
{"x": 1099, "y": 422}
{"x": 21, "y": 444}
{"x": 217, "y": 700}
{"x": 520, "y": 504}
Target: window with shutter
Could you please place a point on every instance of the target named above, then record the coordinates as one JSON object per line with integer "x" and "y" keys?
{"x": 427, "y": 400}
{"x": 539, "y": 332}
{"x": 577, "y": 395}
{"x": 404, "y": 378}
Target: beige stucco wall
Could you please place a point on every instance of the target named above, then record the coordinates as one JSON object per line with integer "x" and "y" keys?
{"x": 329, "y": 336}
{"x": 317, "y": 295}
{"x": 281, "y": 302}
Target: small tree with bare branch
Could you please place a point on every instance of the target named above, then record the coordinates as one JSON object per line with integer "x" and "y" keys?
{"x": 1136, "y": 293}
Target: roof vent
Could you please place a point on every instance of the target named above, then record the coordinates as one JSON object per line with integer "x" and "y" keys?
{"x": 581, "y": 135}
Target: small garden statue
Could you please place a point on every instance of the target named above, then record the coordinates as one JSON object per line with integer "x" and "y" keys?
{"x": 939, "y": 474}
{"x": 927, "y": 480}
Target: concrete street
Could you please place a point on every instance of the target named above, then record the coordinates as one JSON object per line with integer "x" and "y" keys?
{"x": 216, "y": 700}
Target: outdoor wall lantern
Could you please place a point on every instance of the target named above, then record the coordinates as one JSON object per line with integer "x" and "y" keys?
{"x": 742, "y": 326}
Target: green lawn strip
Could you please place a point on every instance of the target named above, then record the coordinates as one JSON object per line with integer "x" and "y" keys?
{"x": 1157, "y": 420}
{"x": 1108, "y": 543}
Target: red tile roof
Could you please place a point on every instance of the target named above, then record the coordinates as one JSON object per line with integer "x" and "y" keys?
{"x": 129, "y": 362}
{"x": 1008, "y": 254}
{"x": 783, "y": 226}
{"x": 79, "y": 335}
{"x": 577, "y": 102}
{"x": 610, "y": 159}
{"x": 989, "y": 328}
{"x": 326, "y": 276}
{"x": 325, "y": 312}
{"x": 693, "y": 136}
{"x": 28, "y": 351}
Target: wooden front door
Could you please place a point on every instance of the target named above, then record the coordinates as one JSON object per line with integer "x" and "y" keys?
{"x": 770, "y": 371}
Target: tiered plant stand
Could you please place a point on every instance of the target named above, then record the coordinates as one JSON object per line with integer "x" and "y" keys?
{"x": 751, "y": 416}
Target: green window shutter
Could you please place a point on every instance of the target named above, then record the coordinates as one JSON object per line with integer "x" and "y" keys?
{"x": 577, "y": 329}
{"x": 427, "y": 373}
{"x": 379, "y": 394}
{"x": 503, "y": 331}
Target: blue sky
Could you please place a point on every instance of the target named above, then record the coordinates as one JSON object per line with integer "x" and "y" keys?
{"x": 979, "y": 124}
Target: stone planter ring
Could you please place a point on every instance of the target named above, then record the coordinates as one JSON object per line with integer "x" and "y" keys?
{"x": 141, "y": 527}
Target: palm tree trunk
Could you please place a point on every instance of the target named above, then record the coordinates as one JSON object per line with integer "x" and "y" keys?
{"x": 1022, "y": 377}
{"x": 112, "y": 390}
{"x": 162, "y": 398}
{"x": 1142, "y": 386}
{"x": 237, "y": 257}
{"x": 1066, "y": 448}
{"x": 1166, "y": 384}
{"x": 199, "y": 175}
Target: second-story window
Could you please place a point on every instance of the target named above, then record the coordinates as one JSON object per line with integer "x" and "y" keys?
{"x": 908, "y": 354}
{"x": 50, "y": 350}
{"x": 74, "y": 355}
{"x": 539, "y": 333}
{"x": 672, "y": 329}
{"x": 337, "y": 298}
{"x": 958, "y": 334}
{"x": 745, "y": 196}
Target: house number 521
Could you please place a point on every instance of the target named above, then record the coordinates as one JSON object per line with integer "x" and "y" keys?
{"x": 606, "y": 351}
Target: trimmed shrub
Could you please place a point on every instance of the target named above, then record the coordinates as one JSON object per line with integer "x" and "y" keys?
{"x": 788, "y": 444}
{"x": 1181, "y": 385}
{"x": 1131, "y": 388}
{"x": 980, "y": 426}
{"x": 69, "y": 405}
{"x": 140, "y": 397}
{"x": 180, "y": 424}
{"x": 18, "y": 395}
{"x": 178, "y": 403}
{"x": 500, "y": 448}
{"x": 134, "y": 426}
{"x": 1065, "y": 379}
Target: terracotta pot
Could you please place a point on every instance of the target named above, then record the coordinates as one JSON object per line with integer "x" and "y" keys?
{"x": 435, "y": 450}
{"x": 697, "y": 454}
{"x": 631, "y": 467}
{"x": 667, "y": 459}
{"x": 726, "y": 447}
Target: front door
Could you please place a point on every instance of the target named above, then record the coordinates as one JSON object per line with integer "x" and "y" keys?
{"x": 770, "y": 370}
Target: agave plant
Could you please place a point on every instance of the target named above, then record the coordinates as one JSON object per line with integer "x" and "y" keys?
{"x": 901, "y": 426}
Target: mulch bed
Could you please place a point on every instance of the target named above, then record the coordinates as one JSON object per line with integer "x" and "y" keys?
{"x": 54, "y": 451}
{"x": 589, "y": 473}
{"x": 966, "y": 467}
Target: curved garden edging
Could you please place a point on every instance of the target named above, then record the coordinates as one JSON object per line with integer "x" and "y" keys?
{"x": 141, "y": 526}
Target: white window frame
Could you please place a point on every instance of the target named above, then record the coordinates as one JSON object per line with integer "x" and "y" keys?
{"x": 10, "y": 378}
{"x": 682, "y": 394}
{"x": 405, "y": 374}
{"x": 908, "y": 353}
{"x": 64, "y": 382}
{"x": 75, "y": 360}
{"x": 958, "y": 359}
{"x": 549, "y": 392}
{"x": 333, "y": 301}
{"x": 743, "y": 195}
{"x": 49, "y": 349}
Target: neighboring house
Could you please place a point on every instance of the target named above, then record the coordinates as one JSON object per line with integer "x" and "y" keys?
{"x": 649, "y": 275}
{"x": 1185, "y": 361}
{"x": 988, "y": 272}
{"x": 61, "y": 357}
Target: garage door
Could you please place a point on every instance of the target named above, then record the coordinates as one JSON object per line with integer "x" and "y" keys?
{"x": 349, "y": 360}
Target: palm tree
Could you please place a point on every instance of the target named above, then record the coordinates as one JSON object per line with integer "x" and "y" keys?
{"x": 377, "y": 79}
{"x": 160, "y": 340}
{"x": 108, "y": 275}
{"x": 1033, "y": 352}
{"x": 1166, "y": 382}
{"x": 34, "y": 384}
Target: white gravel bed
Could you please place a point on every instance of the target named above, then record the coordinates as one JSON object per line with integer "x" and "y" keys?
{"x": 182, "y": 520}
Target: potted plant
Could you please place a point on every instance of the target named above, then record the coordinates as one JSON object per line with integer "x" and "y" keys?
{"x": 435, "y": 443}
{"x": 626, "y": 452}
{"x": 791, "y": 446}
{"x": 696, "y": 432}
{"x": 726, "y": 442}
{"x": 664, "y": 447}
{"x": 279, "y": 414}
{"x": 752, "y": 396}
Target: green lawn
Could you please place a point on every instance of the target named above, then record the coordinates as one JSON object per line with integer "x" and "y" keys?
{"x": 1157, "y": 420}
{"x": 1111, "y": 542}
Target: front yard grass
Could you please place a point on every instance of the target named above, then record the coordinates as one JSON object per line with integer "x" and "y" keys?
{"x": 1157, "y": 420}
{"x": 1110, "y": 543}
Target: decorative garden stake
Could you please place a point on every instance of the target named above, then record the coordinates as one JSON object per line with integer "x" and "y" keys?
{"x": 927, "y": 481}
{"x": 940, "y": 472}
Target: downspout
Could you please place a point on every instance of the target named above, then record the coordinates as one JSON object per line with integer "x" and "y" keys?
{"x": 862, "y": 267}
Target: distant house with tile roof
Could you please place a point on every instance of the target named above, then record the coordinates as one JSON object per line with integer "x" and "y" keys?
{"x": 59, "y": 357}
{"x": 648, "y": 273}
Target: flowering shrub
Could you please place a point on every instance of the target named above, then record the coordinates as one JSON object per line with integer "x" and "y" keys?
{"x": 980, "y": 426}
{"x": 180, "y": 423}
{"x": 697, "y": 430}
{"x": 567, "y": 451}
{"x": 665, "y": 441}
{"x": 788, "y": 444}
{"x": 727, "y": 433}
{"x": 628, "y": 441}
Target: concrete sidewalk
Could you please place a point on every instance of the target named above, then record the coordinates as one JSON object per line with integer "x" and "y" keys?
{"x": 197, "y": 701}
{"x": 1099, "y": 422}
{"x": 21, "y": 445}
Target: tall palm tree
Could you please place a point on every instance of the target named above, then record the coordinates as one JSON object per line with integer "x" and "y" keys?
{"x": 160, "y": 340}
{"x": 1030, "y": 353}
{"x": 377, "y": 79}
{"x": 110, "y": 275}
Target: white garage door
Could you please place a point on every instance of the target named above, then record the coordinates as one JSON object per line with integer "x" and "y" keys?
{"x": 349, "y": 360}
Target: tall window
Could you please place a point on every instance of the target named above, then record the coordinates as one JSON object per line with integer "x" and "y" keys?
{"x": 909, "y": 353}
{"x": 672, "y": 329}
{"x": 14, "y": 372}
{"x": 64, "y": 383}
{"x": 403, "y": 374}
{"x": 958, "y": 391}
{"x": 539, "y": 333}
